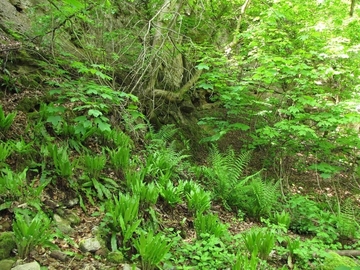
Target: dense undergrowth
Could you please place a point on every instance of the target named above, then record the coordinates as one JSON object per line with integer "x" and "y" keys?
{"x": 109, "y": 168}
{"x": 285, "y": 80}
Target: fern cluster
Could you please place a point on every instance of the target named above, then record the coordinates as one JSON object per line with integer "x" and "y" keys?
{"x": 225, "y": 174}
{"x": 164, "y": 159}
{"x": 348, "y": 223}
{"x": 258, "y": 197}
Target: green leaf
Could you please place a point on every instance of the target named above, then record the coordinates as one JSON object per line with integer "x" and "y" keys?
{"x": 106, "y": 96}
{"x": 102, "y": 125}
{"x": 81, "y": 119}
{"x": 55, "y": 92}
{"x": 215, "y": 137}
{"x": 206, "y": 86}
{"x": 5, "y": 205}
{"x": 113, "y": 242}
{"x": 239, "y": 126}
{"x": 102, "y": 75}
{"x": 202, "y": 66}
{"x": 74, "y": 4}
{"x": 98, "y": 187}
{"x": 78, "y": 65}
{"x": 92, "y": 91}
{"x": 95, "y": 113}
{"x": 110, "y": 181}
{"x": 55, "y": 109}
{"x": 55, "y": 119}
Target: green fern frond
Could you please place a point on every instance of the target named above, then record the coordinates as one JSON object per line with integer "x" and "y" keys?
{"x": 229, "y": 165}
{"x": 216, "y": 159}
{"x": 209, "y": 224}
{"x": 225, "y": 174}
{"x": 239, "y": 164}
{"x": 347, "y": 222}
{"x": 165, "y": 133}
{"x": 266, "y": 193}
{"x": 5, "y": 151}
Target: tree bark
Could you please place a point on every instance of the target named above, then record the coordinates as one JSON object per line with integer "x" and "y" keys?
{"x": 162, "y": 33}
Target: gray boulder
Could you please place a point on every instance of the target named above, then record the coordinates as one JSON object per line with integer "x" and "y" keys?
{"x": 28, "y": 266}
{"x": 12, "y": 15}
{"x": 90, "y": 245}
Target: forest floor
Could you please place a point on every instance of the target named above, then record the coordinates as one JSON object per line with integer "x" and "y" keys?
{"x": 304, "y": 183}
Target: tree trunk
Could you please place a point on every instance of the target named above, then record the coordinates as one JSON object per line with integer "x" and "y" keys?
{"x": 165, "y": 69}
{"x": 352, "y": 7}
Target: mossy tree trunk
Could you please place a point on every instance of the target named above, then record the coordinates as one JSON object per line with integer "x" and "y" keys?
{"x": 177, "y": 36}
{"x": 163, "y": 76}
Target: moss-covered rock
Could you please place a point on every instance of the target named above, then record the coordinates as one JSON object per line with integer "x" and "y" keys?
{"x": 7, "y": 244}
{"x": 334, "y": 260}
{"x": 115, "y": 257}
{"x": 73, "y": 218}
{"x": 28, "y": 104}
{"x": 6, "y": 264}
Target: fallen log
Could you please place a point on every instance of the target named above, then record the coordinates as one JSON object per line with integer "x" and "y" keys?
{"x": 348, "y": 253}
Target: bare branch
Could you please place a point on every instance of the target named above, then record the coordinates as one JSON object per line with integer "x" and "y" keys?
{"x": 236, "y": 40}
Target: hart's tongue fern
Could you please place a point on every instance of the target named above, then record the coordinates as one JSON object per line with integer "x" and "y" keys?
{"x": 6, "y": 121}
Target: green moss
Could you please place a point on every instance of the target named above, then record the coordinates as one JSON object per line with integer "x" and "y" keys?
{"x": 115, "y": 257}
{"x": 27, "y": 104}
{"x": 73, "y": 219}
{"x": 334, "y": 260}
{"x": 7, "y": 244}
{"x": 6, "y": 264}
{"x": 29, "y": 81}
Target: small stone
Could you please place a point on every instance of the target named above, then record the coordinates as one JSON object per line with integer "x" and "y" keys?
{"x": 5, "y": 225}
{"x": 56, "y": 254}
{"x": 28, "y": 266}
{"x": 95, "y": 230}
{"x": 73, "y": 218}
{"x": 90, "y": 245}
{"x": 72, "y": 202}
{"x": 51, "y": 204}
{"x": 129, "y": 267}
{"x": 63, "y": 225}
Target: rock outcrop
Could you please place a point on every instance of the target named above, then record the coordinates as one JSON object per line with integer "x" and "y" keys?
{"x": 13, "y": 15}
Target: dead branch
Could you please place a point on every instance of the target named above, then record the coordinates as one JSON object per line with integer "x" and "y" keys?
{"x": 348, "y": 253}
